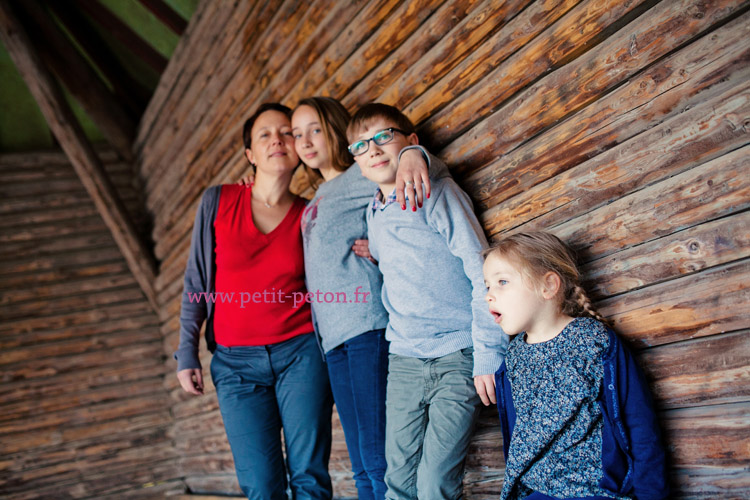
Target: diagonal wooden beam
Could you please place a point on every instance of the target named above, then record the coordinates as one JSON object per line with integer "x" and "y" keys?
{"x": 59, "y": 54}
{"x": 166, "y": 15}
{"x": 110, "y": 22}
{"x": 69, "y": 134}
{"x": 127, "y": 89}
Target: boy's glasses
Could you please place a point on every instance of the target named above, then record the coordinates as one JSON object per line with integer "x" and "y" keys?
{"x": 383, "y": 137}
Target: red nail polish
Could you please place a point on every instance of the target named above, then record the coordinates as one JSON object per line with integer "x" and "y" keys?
{"x": 403, "y": 207}
{"x": 413, "y": 209}
{"x": 420, "y": 205}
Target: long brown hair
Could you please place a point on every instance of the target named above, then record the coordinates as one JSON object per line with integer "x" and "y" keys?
{"x": 333, "y": 118}
{"x": 537, "y": 253}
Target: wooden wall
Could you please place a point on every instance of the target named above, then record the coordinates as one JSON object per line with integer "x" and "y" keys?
{"x": 620, "y": 125}
{"x": 82, "y": 411}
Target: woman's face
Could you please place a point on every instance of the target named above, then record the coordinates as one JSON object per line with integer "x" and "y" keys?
{"x": 309, "y": 139}
{"x": 272, "y": 145}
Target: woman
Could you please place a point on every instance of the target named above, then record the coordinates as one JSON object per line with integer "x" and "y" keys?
{"x": 267, "y": 367}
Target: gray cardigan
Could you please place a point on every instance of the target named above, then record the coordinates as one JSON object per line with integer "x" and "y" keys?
{"x": 199, "y": 277}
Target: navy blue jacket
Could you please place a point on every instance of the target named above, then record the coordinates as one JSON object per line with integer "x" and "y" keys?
{"x": 633, "y": 458}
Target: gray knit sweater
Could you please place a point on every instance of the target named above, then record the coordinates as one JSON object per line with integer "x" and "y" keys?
{"x": 433, "y": 287}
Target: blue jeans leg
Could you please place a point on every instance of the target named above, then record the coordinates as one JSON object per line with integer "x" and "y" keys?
{"x": 262, "y": 389}
{"x": 358, "y": 370}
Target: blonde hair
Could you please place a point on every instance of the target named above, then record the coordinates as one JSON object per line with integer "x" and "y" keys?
{"x": 536, "y": 254}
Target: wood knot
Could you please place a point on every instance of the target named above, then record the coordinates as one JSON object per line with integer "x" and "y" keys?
{"x": 694, "y": 247}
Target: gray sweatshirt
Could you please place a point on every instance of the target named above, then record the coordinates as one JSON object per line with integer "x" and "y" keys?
{"x": 333, "y": 219}
{"x": 433, "y": 286}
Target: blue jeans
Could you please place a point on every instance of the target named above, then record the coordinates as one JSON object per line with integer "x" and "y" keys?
{"x": 431, "y": 408}
{"x": 262, "y": 389}
{"x": 358, "y": 369}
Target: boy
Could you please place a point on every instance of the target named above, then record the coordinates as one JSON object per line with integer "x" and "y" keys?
{"x": 433, "y": 291}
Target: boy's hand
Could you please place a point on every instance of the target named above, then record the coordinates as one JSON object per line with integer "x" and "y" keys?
{"x": 246, "y": 181}
{"x": 362, "y": 249}
{"x": 411, "y": 174}
{"x": 485, "y": 386}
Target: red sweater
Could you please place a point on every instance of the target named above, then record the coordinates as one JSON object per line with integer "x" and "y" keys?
{"x": 258, "y": 276}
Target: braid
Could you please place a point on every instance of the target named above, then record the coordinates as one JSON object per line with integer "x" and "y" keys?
{"x": 580, "y": 303}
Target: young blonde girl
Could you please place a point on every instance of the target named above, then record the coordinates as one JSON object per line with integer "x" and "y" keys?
{"x": 576, "y": 414}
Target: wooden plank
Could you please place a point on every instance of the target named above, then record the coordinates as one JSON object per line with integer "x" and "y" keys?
{"x": 78, "y": 346}
{"x": 70, "y": 320}
{"x": 700, "y": 134}
{"x": 695, "y": 74}
{"x": 704, "y": 371}
{"x": 59, "y": 54}
{"x": 699, "y": 305}
{"x": 123, "y": 318}
{"x": 708, "y": 436}
{"x": 51, "y": 367}
{"x": 112, "y": 263}
{"x": 708, "y": 192}
{"x": 711, "y": 482}
{"x": 413, "y": 50}
{"x": 49, "y": 247}
{"x": 84, "y": 379}
{"x": 71, "y": 137}
{"x": 190, "y": 95}
{"x": 68, "y": 295}
{"x": 189, "y": 50}
{"x": 451, "y": 49}
{"x": 684, "y": 252}
{"x": 122, "y": 32}
{"x": 653, "y": 35}
{"x": 532, "y": 55}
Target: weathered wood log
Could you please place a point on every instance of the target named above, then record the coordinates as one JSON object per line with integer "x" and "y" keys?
{"x": 710, "y": 482}
{"x": 705, "y": 371}
{"x": 429, "y": 33}
{"x": 231, "y": 74}
{"x": 221, "y": 24}
{"x": 184, "y": 53}
{"x": 59, "y": 54}
{"x": 121, "y": 318}
{"x": 644, "y": 160}
{"x": 714, "y": 436}
{"x": 68, "y": 132}
{"x": 685, "y": 252}
{"x": 674, "y": 85}
{"x": 460, "y": 44}
{"x": 709, "y": 191}
{"x": 665, "y": 27}
{"x": 699, "y": 305}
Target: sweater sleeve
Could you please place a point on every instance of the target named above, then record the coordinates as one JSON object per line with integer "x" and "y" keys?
{"x": 194, "y": 307}
{"x": 452, "y": 215}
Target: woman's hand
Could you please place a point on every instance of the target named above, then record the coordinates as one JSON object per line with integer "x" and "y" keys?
{"x": 485, "y": 386}
{"x": 191, "y": 380}
{"x": 362, "y": 249}
{"x": 246, "y": 181}
{"x": 412, "y": 173}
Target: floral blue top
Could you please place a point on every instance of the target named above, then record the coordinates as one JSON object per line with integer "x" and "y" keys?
{"x": 556, "y": 444}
